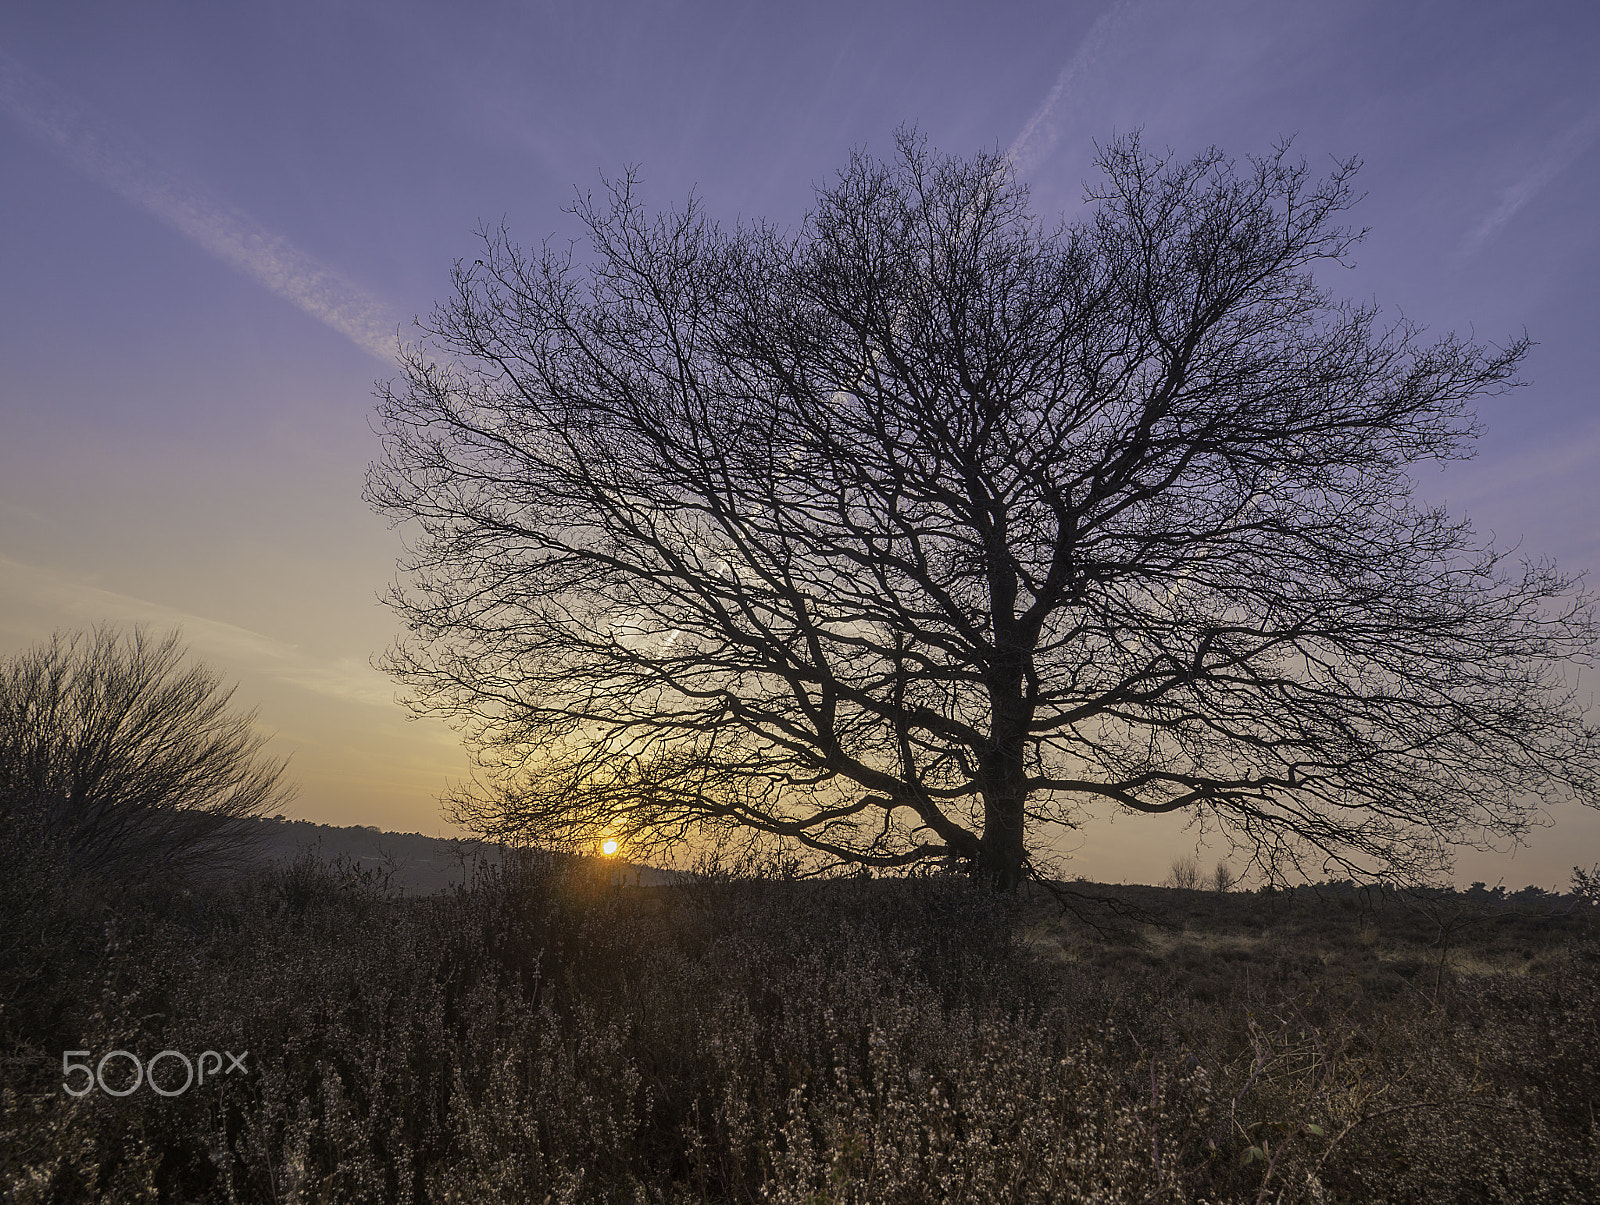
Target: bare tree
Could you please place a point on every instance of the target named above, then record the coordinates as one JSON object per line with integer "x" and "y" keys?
{"x": 124, "y": 760}
{"x": 1222, "y": 878}
{"x": 926, "y": 528}
{"x": 1184, "y": 873}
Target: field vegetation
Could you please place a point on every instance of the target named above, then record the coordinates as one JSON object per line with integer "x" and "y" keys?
{"x": 542, "y": 1035}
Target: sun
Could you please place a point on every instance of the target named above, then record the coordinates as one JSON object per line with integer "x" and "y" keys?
{"x": 609, "y": 848}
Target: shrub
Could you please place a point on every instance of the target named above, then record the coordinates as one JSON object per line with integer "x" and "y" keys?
{"x": 544, "y": 1035}
{"x": 119, "y": 759}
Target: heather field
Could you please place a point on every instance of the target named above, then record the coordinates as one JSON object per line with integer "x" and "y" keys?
{"x": 542, "y": 1035}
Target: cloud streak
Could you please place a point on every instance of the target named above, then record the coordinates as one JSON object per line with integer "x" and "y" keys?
{"x": 1043, "y": 130}
{"x": 70, "y": 131}
{"x": 1567, "y": 148}
{"x": 59, "y": 594}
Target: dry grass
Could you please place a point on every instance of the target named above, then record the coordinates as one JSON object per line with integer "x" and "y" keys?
{"x": 543, "y": 1037}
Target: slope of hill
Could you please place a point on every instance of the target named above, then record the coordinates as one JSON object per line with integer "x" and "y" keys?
{"x": 415, "y": 864}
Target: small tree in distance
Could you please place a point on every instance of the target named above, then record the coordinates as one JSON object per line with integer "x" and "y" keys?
{"x": 927, "y": 529}
{"x": 122, "y": 760}
{"x": 1184, "y": 873}
{"x": 1223, "y": 879}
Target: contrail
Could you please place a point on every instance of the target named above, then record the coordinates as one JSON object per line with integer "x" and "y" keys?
{"x": 69, "y": 129}
{"x": 1563, "y": 152}
{"x": 1040, "y": 134}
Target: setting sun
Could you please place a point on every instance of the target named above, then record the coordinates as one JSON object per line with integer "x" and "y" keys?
{"x": 609, "y": 848}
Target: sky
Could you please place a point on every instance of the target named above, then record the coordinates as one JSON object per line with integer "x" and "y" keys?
{"x": 216, "y": 221}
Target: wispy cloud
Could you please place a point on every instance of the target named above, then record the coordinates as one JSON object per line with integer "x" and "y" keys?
{"x": 72, "y": 600}
{"x": 1562, "y": 152}
{"x": 1043, "y": 130}
{"x": 70, "y": 130}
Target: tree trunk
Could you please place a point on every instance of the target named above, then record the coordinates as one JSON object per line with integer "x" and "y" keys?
{"x": 1002, "y": 773}
{"x": 1000, "y": 850}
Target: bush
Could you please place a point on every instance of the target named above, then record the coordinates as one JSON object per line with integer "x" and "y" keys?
{"x": 547, "y": 1036}
{"x": 117, "y": 758}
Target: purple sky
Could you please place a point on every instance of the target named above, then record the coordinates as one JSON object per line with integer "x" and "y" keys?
{"x": 215, "y": 217}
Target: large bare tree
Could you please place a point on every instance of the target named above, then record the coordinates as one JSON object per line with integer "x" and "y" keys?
{"x": 925, "y": 528}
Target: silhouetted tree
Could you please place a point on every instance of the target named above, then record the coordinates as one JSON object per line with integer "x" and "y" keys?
{"x": 913, "y": 533}
{"x": 121, "y": 759}
{"x": 1184, "y": 873}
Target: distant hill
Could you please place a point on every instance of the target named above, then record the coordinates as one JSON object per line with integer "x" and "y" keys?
{"x": 418, "y": 864}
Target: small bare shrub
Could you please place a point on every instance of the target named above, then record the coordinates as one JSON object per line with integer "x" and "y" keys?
{"x": 120, "y": 759}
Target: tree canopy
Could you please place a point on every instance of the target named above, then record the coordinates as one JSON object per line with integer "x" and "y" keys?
{"x": 922, "y": 531}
